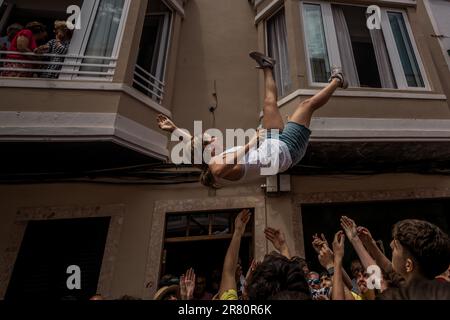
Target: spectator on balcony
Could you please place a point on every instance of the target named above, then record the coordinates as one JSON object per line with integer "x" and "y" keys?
{"x": 11, "y": 32}
{"x": 25, "y": 41}
{"x": 58, "y": 46}
{"x": 5, "y": 42}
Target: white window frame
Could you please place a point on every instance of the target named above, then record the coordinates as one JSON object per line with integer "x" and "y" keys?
{"x": 330, "y": 38}
{"x": 396, "y": 63}
{"x": 81, "y": 38}
{"x": 163, "y": 54}
{"x": 333, "y": 48}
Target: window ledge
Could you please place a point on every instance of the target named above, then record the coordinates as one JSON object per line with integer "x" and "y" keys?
{"x": 84, "y": 85}
{"x": 414, "y": 95}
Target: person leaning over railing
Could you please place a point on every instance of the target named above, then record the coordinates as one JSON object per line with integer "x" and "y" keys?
{"x": 57, "y": 46}
{"x": 25, "y": 41}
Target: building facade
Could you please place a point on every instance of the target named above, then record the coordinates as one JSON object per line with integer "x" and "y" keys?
{"x": 85, "y": 146}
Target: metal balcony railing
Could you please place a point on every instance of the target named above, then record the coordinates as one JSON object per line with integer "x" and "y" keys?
{"x": 74, "y": 67}
{"x": 148, "y": 84}
{"x": 63, "y": 67}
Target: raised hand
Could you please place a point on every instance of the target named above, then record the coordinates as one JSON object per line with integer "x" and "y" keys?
{"x": 338, "y": 245}
{"x": 349, "y": 227}
{"x": 276, "y": 237}
{"x": 365, "y": 235}
{"x": 183, "y": 291}
{"x": 326, "y": 257}
{"x": 241, "y": 221}
{"x": 189, "y": 281}
{"x": 318, "y": 243}
{"x": 165, "y": 123}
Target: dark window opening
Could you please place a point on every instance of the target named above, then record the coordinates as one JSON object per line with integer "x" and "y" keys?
{"x": 48, "y": 249}
{"x": 45, "y": 12}
{"x": 150, "y": 70}
{"x": 378, "y": 217}
{"x": 363, "y": 50}
{"x": 200, "y": 240}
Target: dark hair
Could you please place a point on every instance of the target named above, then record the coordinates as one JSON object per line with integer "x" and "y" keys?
{"x": 36, "y": 27}
{"x": 277, "y": 277}
{"x": 356, "y": 267}
{"x": 428, "y": 245}
{"x": 207, "y": 178}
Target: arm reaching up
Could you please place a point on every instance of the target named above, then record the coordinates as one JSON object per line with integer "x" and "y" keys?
{"x": 338, "y": 283}
{"x": 277, "y": 238}
{"x": 350, "y": 229}
{"x": 231, "y": 259}
{"x": 326, "y": 258}
{"x": 168, "y": 125}
{"x": 187, "y": 285}
{"x": 374, "y": 251}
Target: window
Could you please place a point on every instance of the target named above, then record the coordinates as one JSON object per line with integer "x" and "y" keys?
{"x": 338, "y": 35}
{"x": 200, "y": 240}
{"x": 316, "y": 43}
{"x": 151, "y": 63}
{"x": 102, "y": 38}
{"x": 405, "y": 50}
{"x": 277, "y": 49}
{"x": 91, "y": 52}
{"x": 48, "y": 249}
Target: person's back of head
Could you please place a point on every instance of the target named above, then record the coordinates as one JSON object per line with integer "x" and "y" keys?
{"x": 425, "y": 249}
{"x": 277, "y": 278}
{"x": 36, "y": 27}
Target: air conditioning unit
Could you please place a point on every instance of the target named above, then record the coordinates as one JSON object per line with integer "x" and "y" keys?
{"x": 278, "y": 184}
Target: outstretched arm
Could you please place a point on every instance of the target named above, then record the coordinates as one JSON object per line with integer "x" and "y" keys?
{"x": 326, "y": 257}
{"x": 231, "y": 259}
{"x": 168, "y": 125}
{"x": 277, "y": 238}
{"x": 350, "y": 229}
{"x": 371, "y": 246}
{"x": 338, "y": 283}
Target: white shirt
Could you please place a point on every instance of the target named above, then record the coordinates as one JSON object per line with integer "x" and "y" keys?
{"x": 272, "y": 157}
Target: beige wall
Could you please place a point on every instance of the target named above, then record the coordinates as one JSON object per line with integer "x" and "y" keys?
{"x": 434, "y": 47}
{"x": 282, "y": 212}
{"x": 38, "y": 100}
{"x": 215, "y": 40}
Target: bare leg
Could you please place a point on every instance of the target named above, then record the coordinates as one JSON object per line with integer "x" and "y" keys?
{"x": 272, "y": 116}
{"x": 306, "y": 109}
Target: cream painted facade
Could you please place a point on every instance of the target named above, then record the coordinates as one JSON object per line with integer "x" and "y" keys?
{"x": 207, "y": 65}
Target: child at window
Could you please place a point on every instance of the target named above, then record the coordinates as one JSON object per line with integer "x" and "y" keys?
{"x": 59, "y": 46}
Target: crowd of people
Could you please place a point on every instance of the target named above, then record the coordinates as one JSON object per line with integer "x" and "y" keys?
{"x": 28, "y": 53}
{"x": 419, "y": 268}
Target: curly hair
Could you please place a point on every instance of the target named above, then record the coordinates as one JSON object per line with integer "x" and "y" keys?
{"x": 278, "y": 278}
{"x": 428, "y": 245}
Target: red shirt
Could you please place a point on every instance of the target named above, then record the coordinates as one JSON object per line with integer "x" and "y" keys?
{"x": 31, "y": 44}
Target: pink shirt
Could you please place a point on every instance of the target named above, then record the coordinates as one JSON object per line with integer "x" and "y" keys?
{"x": 31, "y": 45}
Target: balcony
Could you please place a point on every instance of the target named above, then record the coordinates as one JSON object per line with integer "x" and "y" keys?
{"x": 94, "y": 106}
